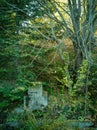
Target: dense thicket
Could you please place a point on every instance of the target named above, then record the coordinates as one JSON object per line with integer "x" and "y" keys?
{"x": 53, "y": 42}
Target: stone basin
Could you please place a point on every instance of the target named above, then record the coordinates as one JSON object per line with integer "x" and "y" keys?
{"x": 81, "y": 125}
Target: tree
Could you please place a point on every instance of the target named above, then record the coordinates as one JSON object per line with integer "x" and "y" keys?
{"x": 76, "y": 20}
{"x": 11, "y": 16}
{"x": 14, "y": 19}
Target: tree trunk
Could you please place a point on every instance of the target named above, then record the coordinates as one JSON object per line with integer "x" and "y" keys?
{"x": 78, "y": 58}
{"x": 78, "y": 62}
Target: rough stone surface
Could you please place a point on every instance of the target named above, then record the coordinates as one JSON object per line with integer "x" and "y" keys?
{"x": 37, "y": 98}
{"x": 18, "y": 110}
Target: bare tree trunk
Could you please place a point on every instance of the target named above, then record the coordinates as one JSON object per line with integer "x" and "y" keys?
{"x": 78, "y": 58}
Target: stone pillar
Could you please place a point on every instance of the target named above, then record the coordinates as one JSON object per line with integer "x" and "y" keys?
{"x": 37, "y": 100}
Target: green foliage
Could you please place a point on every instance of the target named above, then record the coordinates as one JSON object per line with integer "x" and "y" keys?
{"x": 82, "y": 74}
{"x": 65, "y": 80}
{"x": 30, "y": 121}
{"x": 10, "y": 93}
{"x": 81, "y": 82}
{"x": 23, "y": 23}
{"x": 93, "y": 90}
{"x": 79, "y": 90}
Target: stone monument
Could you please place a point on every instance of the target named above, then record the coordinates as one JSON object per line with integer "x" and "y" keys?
{"x": 37, "y": 97}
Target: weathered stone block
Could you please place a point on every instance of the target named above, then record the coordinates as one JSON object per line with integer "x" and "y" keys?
{"x": 37, "y": 98}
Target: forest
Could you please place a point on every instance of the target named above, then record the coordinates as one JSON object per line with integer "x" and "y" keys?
{"x": 48, "y": 65}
